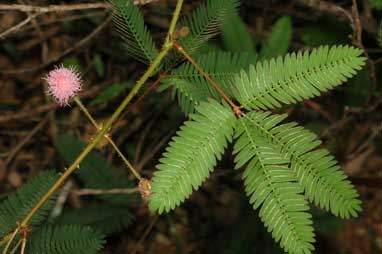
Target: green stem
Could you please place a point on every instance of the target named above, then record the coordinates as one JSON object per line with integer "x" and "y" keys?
{"x": 175, "y": 17}
{"x": 11, "y": 237}
{"x": 119, "y": 152}
{"x": 16, "y": 247}
{"x": 101, "y": 133}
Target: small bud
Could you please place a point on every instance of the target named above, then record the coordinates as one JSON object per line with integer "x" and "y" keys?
{"x": 63, "y": 84}
{"x": 144, "y": 187}
{"x": 184, "y": 31}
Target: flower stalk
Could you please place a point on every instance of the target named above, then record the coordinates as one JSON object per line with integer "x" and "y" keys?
{"x": 108, "y": 138}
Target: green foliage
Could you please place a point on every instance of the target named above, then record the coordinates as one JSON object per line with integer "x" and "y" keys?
{"x": 273, "y": 186}
{"x": 358, "y": 89}
{"x": 108, "y": 94}
{"x": 325, "y": 31}
{"x": 247, "y": 235}
{"x": 191, "y": 156}
{"x": 316, "y": 171}
{"x": 325, "y": 223}
{"x": 191, "y": 87}
{"x": 236, "y": 38}
{"x": 376, "y": 4}
{"x": 299, "y": 76}
{"x": 105, "y": 217}
{"x": 278, "y": 40}
{"x": 18, "y": 205}
{"x": 73, "y": 62}
{"x": 130, "y": 24}
{"x": 205, "y": 21}
{"x": 379, "y": 35}
{"x": 65, "y": 239}
{"x": 12, "y": 50}
{"x": 98, "y": 65}
{"x": 94, "y": 170}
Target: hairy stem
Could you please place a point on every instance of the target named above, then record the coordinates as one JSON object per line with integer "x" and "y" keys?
{"x": 101, "y": 133}
{"x": 108, "y": 138}
{"x": 235, "y": 108}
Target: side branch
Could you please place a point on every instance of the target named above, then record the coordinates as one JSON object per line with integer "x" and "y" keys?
{"x": 236, "y": 109}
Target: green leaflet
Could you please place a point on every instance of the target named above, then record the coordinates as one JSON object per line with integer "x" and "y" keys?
{"x": 106, "y": 217}
{"x": 236, "y": 38}
{"x": 109, "y": 93}
{"x": 279, "y": 39}
{"x": 205, "y": 21}
{"x": 18, "y": 205}
{"x": 65, "y": 239}
{"x": 130, "y": 24}
{"x": 296, "y": 77}
{"x": 271, "y": 185}
{"x": 191, "y": 155}
{"x": 316, "y": 171}
{"x": 191, "y": 87}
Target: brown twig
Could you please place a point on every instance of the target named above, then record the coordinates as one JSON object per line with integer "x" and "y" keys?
{"x": 142, "y": 138}
{"x": 62, "y": 8}
{"x": 355, "y": 22}
{"x": 24, "y": 240}
{"x": 317, "y": 107}
{"x": 330, "y": 8}
{"x": 83, "y": 192}
{"x": 44, "y": 45}
{"x": 147, "y": 157}
{"x": 145, "y": 234}
{"x": 151, "y": 88}
{"x": 66, "y": 52}
{"x": 24, "y": 141}
{"x": 358, "y": 33}
{"x": 65, "y": 19}
{"x": 28, "y": 113}
{"x": 18, "y": 26}
{"x": 134, "y": 105}
{"x": 61, "y": 199}
{"x": 376, "y": 130}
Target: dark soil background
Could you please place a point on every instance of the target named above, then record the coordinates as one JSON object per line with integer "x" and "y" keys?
{"x": 217, "y": 218}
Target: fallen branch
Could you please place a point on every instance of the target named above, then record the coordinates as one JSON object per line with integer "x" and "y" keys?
{"x": 62, "y": 8}
{"x": 83, "y": 192}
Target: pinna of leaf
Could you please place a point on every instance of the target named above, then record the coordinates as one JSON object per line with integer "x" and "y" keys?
{"x": 284, "y": 168}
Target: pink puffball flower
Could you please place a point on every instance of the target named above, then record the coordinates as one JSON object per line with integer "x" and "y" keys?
{"x": 63, "y": 84}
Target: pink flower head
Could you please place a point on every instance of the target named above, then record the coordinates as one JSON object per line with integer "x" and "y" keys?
{"x": 63, "y": 84}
